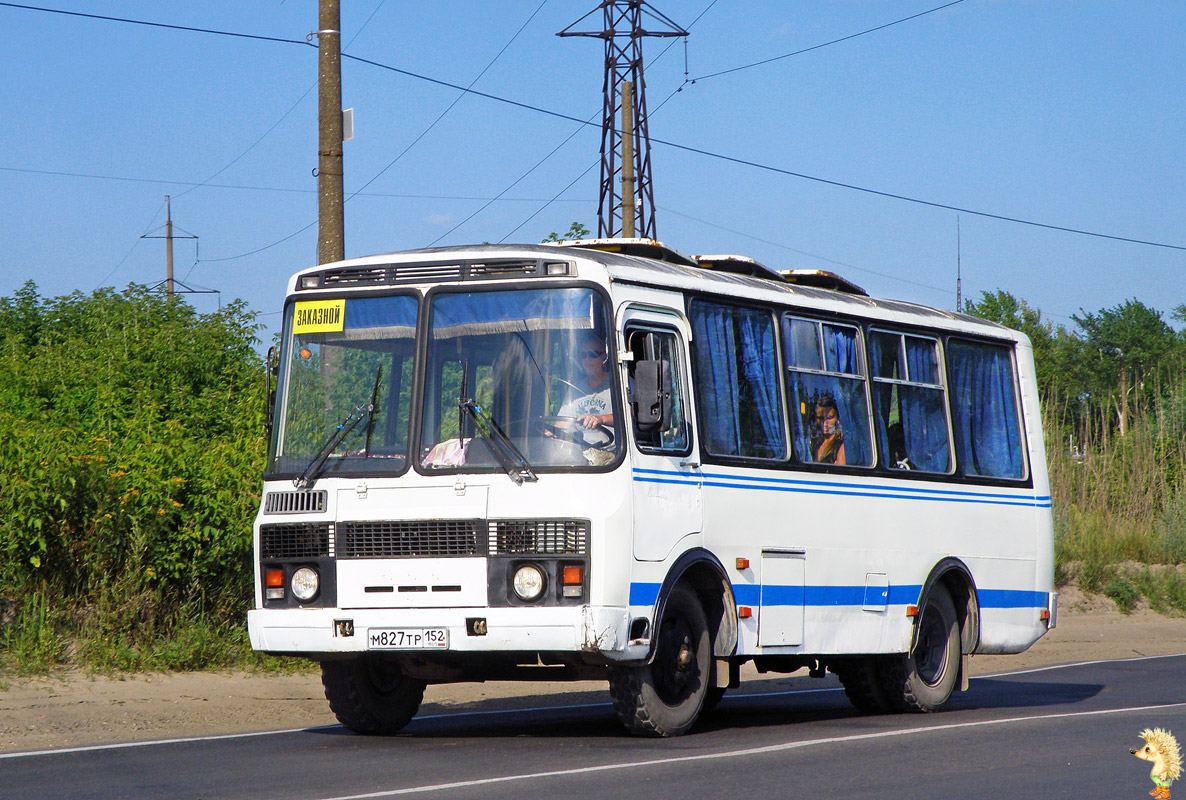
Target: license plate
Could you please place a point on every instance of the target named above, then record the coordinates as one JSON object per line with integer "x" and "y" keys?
{"x": 408, "y": 638}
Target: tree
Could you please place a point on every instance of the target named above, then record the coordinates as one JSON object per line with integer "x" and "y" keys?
{"x": 1125, "y": 348}
{"x": 1003, "y": 308}
{"x": 575, "y": 231}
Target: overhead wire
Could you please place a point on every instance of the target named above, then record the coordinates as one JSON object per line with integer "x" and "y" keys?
{"x": 283, "y": 116}
{"x": 687, "y": 148}
{"x": 574, "y": 181}
{"x": 826, "y": 44}
{"x": 135, "y": 244}
{"x": 244, "y": 187}
{"x": 464, "y": 91}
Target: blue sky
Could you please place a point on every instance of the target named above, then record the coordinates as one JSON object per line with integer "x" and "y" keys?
{"x": 1059, "y": 112}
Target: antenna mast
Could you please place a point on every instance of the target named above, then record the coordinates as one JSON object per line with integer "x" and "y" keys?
{"x": 626, "y": 199}
{"x": 959, "y": 294}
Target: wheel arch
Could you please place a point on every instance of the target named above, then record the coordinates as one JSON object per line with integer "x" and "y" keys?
{"x": 955, "y": 576}
{"x": 707, "y": 577}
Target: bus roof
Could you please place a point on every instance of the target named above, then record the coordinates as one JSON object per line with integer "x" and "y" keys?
{"x": 648, "y": 262}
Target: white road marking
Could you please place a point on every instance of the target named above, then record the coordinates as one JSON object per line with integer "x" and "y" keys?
{"x": 749, "y": 751}
{"x": 535, "y": 709}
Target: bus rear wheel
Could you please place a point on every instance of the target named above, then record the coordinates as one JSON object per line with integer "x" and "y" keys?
{"x": 371, "y": 694}
{"x": 665, "y": 697}
{"x": 925, "y": 678}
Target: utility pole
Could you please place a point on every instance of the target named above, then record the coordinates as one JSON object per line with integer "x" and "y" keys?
{"x": 623, "y": 32}
{"x": 168, "y": 246}
{"x": 331, "y": 235}
{"x": 628, "y": 210}
{"x": 169, "y": 283}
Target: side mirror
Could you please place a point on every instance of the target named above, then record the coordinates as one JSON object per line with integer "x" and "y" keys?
{"x": 271, "y": 370}
{"x": 652, "y": 394}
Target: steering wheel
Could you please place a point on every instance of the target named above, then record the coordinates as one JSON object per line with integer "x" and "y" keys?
{"x": 570, "y": 429}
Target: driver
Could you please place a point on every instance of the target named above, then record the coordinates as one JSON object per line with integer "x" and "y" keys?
{"x": 593, "y": 408}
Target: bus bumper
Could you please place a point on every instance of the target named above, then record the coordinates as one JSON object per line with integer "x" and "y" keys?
{"x": 310, "y": 632}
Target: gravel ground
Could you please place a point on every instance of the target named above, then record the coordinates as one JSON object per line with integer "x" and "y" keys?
{"x": 72, "y": 709}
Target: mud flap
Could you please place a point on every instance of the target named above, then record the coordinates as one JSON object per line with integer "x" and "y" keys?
{"x": 965, "y": 662}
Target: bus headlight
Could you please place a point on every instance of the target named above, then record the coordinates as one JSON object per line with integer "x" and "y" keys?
{"x": 305, "y": 582}
{"x": 529, "y": 582}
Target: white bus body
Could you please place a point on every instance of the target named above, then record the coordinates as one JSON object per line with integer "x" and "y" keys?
{"x": 424, "y": 413}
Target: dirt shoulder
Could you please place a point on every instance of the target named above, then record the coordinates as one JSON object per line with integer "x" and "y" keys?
{"x": 75, "y": 710}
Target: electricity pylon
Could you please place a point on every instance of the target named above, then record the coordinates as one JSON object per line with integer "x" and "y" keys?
{"x": 627, "y": 203}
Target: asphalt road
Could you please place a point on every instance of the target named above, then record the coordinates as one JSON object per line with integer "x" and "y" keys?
{"x": 1048, "y": 733}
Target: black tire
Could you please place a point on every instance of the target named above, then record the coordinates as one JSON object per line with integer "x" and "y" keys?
{"x": 712, "y": 699}
{"x": 862, "y": 681}
{"x": 370, "y": 694}
{"x": 665, "y": 697}
{"x": 925, "y": 678}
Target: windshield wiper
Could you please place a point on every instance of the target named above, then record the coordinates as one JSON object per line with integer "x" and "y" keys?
{"x": 365, "y": 411}
{"x": 509, "y": 456}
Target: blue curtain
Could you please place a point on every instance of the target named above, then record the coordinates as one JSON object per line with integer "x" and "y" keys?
{"x": 738, "y": 374}
{"x": 760, "y": 368}
{"x": 924, "y": 420}
{"x": 984, "y": 411}
{"x": 841, "y": 355}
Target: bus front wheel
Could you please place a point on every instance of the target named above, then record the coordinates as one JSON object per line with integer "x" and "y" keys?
{"x": 371, "y": 694}
{"x": 665, "y": 697}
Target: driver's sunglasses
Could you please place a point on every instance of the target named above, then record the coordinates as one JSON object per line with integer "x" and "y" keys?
{"x": 592, "y": 354}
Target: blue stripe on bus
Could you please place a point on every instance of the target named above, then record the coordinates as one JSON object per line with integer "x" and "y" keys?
{"x": 839, "y": 489}
{"x": 747, "y": 594}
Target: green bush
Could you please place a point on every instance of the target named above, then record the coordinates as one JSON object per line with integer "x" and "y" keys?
{"x": 129, "y": 475}
{"x": 1123, "y": 593}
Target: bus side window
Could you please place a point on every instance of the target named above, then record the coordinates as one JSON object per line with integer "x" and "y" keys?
{"x": 909, "y": 402}
{"x": 661, "y": 346}
{"x": 826, "y": 379}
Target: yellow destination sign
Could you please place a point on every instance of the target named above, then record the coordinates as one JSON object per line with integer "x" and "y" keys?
{"x": 319, "y": 316}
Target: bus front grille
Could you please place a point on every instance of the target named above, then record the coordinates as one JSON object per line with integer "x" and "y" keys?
{"x": 539, "y": 537}
{"x": 295, "y": 540}
{"x": 410, "y": 539}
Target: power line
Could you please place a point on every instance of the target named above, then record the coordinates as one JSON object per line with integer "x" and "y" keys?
{"x": 687, "y": 148}
{"x": 455, "y": 101}
{"x": 283, "y": 116}
{"x": 412, "y": 144}
{"x": 168, "y": 26}
{"x": 919, "y": 201}
{"x": 556, "y": 197}
{"x": 826, "y": 44}
{"x": 128, "y": 254}
{"x": 166, "y": 182}
{"x": 804, "y": 252}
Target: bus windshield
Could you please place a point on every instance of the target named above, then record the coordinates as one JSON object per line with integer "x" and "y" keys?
{"x": 345, "y": 387}
{"x": 533, "y": 365}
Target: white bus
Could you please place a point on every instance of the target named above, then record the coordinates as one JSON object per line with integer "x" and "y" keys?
{"x": 606, "y": 459}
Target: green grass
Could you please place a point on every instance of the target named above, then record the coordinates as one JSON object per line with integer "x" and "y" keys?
{"x": 109, "y": 641}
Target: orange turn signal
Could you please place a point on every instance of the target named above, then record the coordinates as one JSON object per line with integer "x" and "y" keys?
{"x": 744, "y": 612}
{"x": 274, "y": 577}
{"x": 743, "y": 563}
{"x": 912, "y": 611}
{"x": 1045, "y": 615}
{"x": 573, "y": 575}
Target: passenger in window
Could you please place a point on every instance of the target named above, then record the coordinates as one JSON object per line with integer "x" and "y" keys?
{"x": 827, "y": 437}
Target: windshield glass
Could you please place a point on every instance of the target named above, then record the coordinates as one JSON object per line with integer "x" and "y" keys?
{"x": 535, "y": 362}
{"x": 339, "y": 356}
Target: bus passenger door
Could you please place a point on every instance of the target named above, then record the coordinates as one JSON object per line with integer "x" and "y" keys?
{"x": 666, "y": 476}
